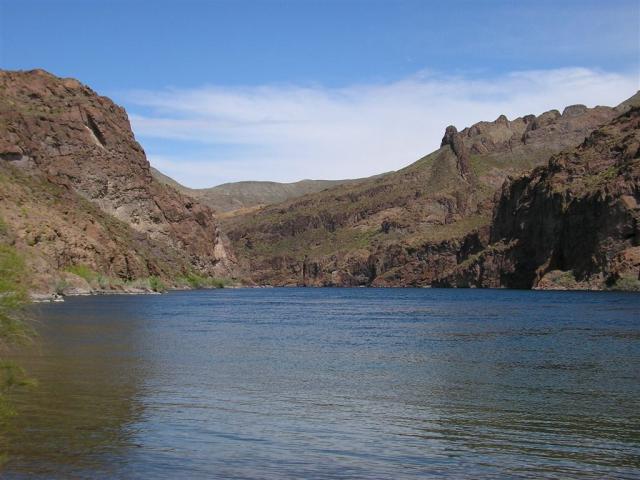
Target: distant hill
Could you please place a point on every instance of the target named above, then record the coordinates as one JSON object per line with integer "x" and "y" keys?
{"x": 239, "y": 196}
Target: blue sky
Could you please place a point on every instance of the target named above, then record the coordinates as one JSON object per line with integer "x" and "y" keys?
{"x": 280, "y": 90}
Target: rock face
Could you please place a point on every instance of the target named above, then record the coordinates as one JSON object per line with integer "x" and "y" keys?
{"x": 550, "y": 131}
{"x": 574, "y": 223}
{"x": 412, "y": 227}
{"x": 58, "y": 135}
{"x": 455, "y": 141}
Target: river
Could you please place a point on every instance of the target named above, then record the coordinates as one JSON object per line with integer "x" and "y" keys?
{"x": 332, "y": 383}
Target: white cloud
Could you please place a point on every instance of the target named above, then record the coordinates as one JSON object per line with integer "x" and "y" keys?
{"x": 288, "y": 132}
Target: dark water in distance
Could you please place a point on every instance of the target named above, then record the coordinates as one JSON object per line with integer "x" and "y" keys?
{"x": 333, "y": 383}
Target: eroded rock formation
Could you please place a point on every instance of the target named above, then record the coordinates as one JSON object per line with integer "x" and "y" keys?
{"x": 574, "y": 223}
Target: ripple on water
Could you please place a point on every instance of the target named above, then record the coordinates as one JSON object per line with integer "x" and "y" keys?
{"x": 333, "y": 383}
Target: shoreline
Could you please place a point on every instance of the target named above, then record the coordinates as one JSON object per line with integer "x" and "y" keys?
{"x": 58, "y": 298}
{"x": 40, "y": 297}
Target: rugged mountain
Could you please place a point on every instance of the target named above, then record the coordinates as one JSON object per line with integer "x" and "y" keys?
{"x": 574, "y": 223}
{"x": 78, "y": 198}
{"x": 413, "y": 226}
{"x": 241, "y": 196}
{"x": 77, "y": 190}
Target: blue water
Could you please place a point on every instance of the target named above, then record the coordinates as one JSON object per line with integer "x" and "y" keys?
{"x": 333, "y": 383}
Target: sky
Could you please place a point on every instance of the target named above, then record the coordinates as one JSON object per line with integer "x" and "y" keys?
{"x": 221, "y": 91}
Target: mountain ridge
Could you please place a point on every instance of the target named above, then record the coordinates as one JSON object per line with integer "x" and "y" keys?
{"x": 573, "y": 223}
{"x": 82, "y": 203}
{"x": 249, "y": 194}
{"x": 410, "y": 227}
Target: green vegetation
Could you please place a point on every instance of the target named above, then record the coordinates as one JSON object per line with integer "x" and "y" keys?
{"x": 152, "y": 283}
{"x": 562, "y": 279}
{"x": 93, "y": 278}
{"x": 316, "y": 241}
{"x": 13, "y": 330}
{"x": 104, "y": 282}
{"x": 509, "y": 162}
{"x": 566, "y": 279}
{"x": 156, "y": 284}
{"x": 60, "y": 286}
{"x": 13, "y": 295}
{"x": 440, "y": 233}
{"x": 598, "y": 180}
{"x": 628, "y": 283}
{"x": 84, "y": 272}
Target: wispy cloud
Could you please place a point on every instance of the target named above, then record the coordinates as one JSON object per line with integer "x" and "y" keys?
{"x": 213, "y": 134}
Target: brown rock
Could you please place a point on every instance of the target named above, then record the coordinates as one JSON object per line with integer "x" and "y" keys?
{"x": 453, "y": 139}
{"x": 82, "y": 143}
{"x": 578, "y": 214}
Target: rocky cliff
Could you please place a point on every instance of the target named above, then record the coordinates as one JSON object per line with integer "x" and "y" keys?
{"x": 77, "y": 189}
{"x": 410, "y": 227}
{"x": 574, "y": 223}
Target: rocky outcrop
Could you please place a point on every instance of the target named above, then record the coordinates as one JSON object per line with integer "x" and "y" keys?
{"x": 57, "y": 133}
{"x": 574, "y": 223}
{"x": 550, "y": 131}
{"x": 453, "y": 139}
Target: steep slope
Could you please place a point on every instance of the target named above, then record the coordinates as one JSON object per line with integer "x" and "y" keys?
{"x": 235, "y": 196}
{"x": 408, "y": 227}
{"x": 167, "y": 180}
{"x": 77, "y": 188}
{"x": 574, "y": 223}
{"x": 57, "y": 230}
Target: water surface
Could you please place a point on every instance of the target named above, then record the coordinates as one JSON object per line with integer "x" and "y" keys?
{"x": 333, "y": 383}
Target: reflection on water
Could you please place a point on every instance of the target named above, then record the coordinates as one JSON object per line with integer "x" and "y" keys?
{"x": 333, "y": 383}
{"x": 86, "y": 402}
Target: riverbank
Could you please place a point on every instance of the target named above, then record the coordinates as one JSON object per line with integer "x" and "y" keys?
{"x": 83, "y": 281}
{"x": 57, "y": 297}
